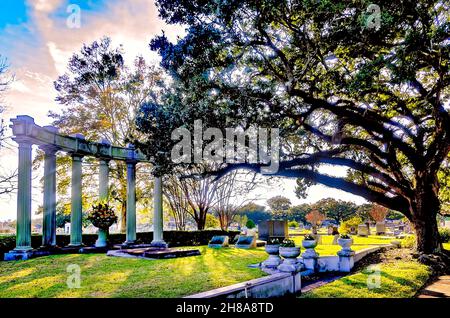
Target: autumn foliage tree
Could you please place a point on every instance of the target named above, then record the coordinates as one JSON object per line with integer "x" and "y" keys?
{"x": 378, "y": 213}
{"x": 315, "y": 218}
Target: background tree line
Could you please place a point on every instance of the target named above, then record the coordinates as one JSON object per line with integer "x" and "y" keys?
{"x": 338, "y": 211}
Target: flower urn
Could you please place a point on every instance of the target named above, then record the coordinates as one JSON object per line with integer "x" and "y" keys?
{"x": 102, "y": 238}
{"x": 309, "y": 245}
{"x": 274, "y": 259}
{"x": 290, "y": 263}
{"x": 345, "y": 243}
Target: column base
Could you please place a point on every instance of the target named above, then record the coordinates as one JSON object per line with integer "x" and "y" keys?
{"x": 17, "y": 255}
{"x": 75, "y": 245}
{"x": 159, "y": 244}
{"x": 128, "y": 244}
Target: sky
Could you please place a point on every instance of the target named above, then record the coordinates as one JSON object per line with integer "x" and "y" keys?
{"x": 39, "y": 36}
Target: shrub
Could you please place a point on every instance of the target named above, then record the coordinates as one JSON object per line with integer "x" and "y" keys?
{"x": 212, "y": 222}
{"x": 347, "y": 225}
{"x": 309, "y": 237}
{"x": 293, "y": 224}
{"x": 287, "y": 243}
{"x": 444, "y": 235}
{"x": 250, "y": 224}
{"x": 409, "y": 241}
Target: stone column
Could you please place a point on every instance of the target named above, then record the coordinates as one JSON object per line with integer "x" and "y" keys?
{"x": 76, "y": 207}
{"x": 158, "y": 240}
{"x": 49, "y": 218}
{"x": 131, "y": 203}
{"x": 23, "y": 231}
{"x": 104, "y": 179}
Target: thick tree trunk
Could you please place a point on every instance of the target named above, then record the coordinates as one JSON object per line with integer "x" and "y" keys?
{"x": 201, "y": 220}
{"x": 200, "y": 225}
{"x": 424, "y": 211}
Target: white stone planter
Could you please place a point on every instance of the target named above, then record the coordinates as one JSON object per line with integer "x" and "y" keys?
{"x": 310, "y": 256}
{"x": 290, "y": 263}
{"x": 345, "y": 244}
{"x": 309, "y": 243}
{"x": 274, "y": 259}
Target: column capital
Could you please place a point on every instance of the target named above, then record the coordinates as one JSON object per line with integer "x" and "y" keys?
{"x": 49, "y": 149}
{"x": 23, "y": 141}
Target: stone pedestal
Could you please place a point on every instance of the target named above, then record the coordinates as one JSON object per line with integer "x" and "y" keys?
{"x": 102, "y": 240}
{"x": 346, "y": 260}
{"x": 310, "y": 255}
{"x": 290, "y": 262}
{"x": 274, "y": 259}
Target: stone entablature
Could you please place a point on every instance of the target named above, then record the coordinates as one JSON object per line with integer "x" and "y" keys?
{"x": 24, "y": 129}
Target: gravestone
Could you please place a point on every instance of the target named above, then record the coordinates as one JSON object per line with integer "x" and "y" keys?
{"x": 333, "y": 230}
{"x": 272, "y": 229}
{"x": 246, "y": 242}
{"x": 330, "y": 229}
{"x": 380, "y": 228}
{"x": 218, "y": 241}
{"x": 363, "y": 230}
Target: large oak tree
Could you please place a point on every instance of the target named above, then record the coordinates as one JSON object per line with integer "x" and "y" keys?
{"x": 346, "y": 86}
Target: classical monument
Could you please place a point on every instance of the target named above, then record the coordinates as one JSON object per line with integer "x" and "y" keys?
{"x": 26, "y": 133}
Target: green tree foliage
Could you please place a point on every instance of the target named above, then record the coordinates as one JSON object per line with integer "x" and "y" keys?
{"x": 254, "y": 212}
{"x": 299, "y": 212}
{"x": 347, "y": 87}
{"x": 279, "y": 206}
{"x": 250, "y": 224}
{"x": 211, "y": 222}
{"x": 100, "y": 96}
{"x": 353, "y": 222}
{"x": 337, "y": 210}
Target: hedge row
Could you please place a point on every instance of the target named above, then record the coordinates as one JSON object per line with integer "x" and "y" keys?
{"x": 173, "y": 238}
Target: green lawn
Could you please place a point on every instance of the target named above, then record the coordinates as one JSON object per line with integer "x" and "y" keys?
{"x": 400, "y": 279}
{"x": 326, "y": 249}
{"x": 103, "y": 276}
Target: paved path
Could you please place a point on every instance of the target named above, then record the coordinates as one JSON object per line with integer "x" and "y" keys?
{"x": 311, "y": 285}
{"x": 438, "y": 289}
